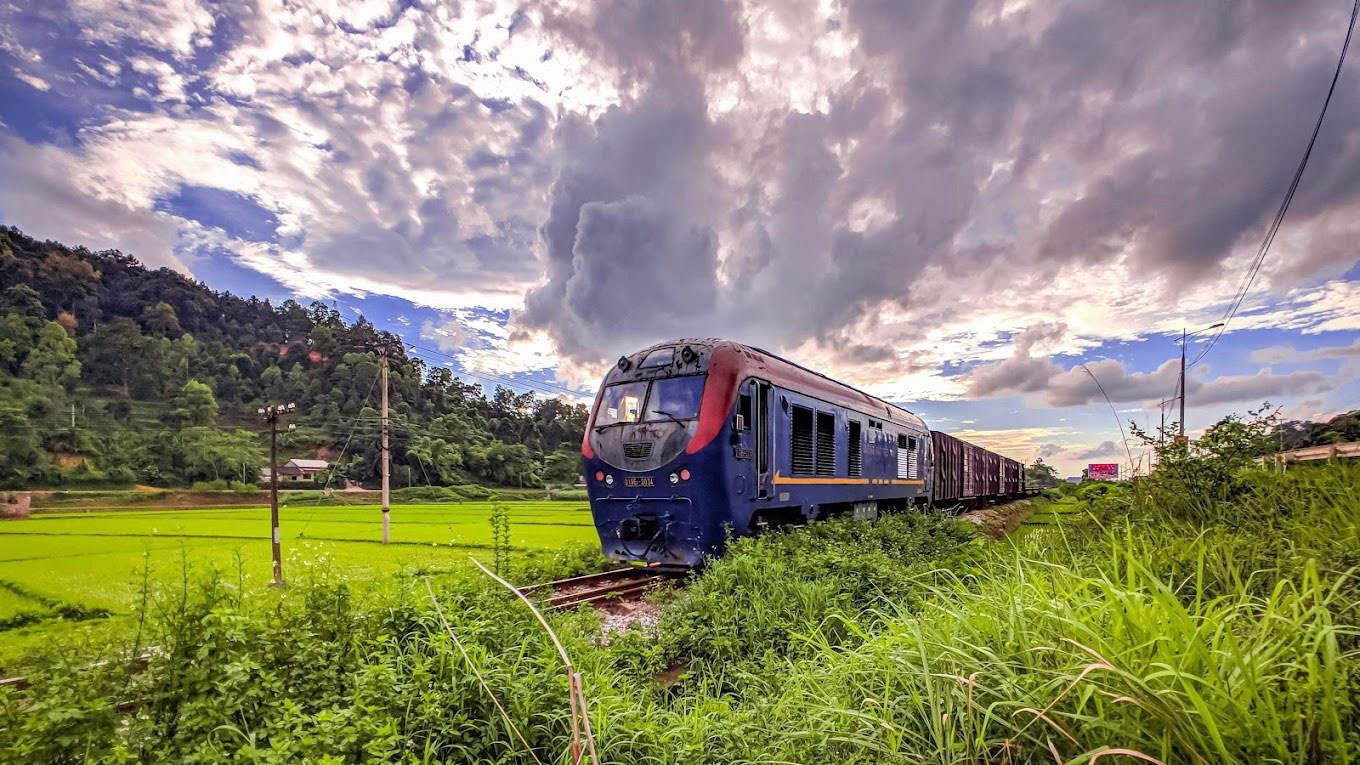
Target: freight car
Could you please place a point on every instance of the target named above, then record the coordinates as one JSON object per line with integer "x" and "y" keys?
{"x": 693, "y": 441}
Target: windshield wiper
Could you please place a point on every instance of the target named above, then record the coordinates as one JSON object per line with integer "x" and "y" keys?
{"x": 674, "y": 419}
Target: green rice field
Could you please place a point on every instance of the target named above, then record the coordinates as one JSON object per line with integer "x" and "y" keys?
{"x": 59, "y": 569}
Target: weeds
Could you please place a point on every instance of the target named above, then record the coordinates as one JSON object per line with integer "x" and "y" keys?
{"x": 1109, "y": 631}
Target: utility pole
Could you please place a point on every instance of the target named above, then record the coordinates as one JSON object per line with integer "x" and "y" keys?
{"x": 1183, "y": 336}
{"x": 386, "y": 457}
{"x": 1184, "y": 339}
{"x": 271, "y": 415}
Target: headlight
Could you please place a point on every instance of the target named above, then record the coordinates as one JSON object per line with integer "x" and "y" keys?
{"x": 675, "y": 478}
{"x": 609, "y": 480}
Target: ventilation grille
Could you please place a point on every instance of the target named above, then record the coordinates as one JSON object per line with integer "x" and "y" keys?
{"x": 826, "y": 443}
{"x": 802, "y": 441}
{"x": 907, "y": 457}
{"x": 637, "y": 450}
{"x": 855, "y": 449}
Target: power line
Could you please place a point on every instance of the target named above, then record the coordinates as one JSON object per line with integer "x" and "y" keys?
{"x": 1117, "y": 421}
{"x": 1241, "y": 293}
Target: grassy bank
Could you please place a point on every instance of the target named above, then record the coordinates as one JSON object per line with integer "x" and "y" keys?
{"x": 1111, "y": 627}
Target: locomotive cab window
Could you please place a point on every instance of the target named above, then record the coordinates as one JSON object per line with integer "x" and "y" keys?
{"x": 621, "y": 403}
{"x": 675, "y": 398}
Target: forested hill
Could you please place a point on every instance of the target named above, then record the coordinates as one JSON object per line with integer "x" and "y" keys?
{"x": 112, "y": 373}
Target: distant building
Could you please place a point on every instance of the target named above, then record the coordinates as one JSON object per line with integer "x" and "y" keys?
{"x": 1073, "y": 479}
{"x": 294, "y": 471}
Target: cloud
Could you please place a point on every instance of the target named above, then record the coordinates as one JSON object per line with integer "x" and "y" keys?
{"x": 1104, "y": 449}
{"x": 1284, "y": 354}
{"x": 894, "y": 191}
{"x": 42, "y": 183}
{"x": 1259, "y": 387}
{"x": 1021, "y": 373}
{"x": 1076, "y": 387}
{"x": 935, "y": 176}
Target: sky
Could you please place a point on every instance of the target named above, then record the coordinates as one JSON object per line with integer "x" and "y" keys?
{"x": 952, "y": 205}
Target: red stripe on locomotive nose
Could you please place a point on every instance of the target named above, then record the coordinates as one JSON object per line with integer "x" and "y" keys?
{"x": 719, "y": 393}
{"x": 587, "y": 450}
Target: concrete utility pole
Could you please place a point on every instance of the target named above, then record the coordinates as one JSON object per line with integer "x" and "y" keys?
{"x": 386, "y": 457}
{"x": 1184, "y": 338}
{"x": 271, "y": 415}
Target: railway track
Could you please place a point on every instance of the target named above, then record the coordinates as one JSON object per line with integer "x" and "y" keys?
{"x": 604, "y": 588}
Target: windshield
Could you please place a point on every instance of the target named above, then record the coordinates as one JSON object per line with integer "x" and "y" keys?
{"x": 676, "y": 397}
{"x": 621, "y": 403}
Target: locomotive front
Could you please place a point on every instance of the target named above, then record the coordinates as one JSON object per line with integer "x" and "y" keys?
{"x": 655, "y": 490}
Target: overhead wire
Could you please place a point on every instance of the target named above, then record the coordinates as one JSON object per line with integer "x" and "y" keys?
{"x": 1117, "y": 421}
{"x": 1274, "y": 227}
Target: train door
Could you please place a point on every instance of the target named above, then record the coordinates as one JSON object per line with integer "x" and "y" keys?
{"x": 764, "y": 439}
{"x": 753, "y": 439}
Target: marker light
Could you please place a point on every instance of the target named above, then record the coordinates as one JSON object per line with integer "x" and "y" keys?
{"x": 684, "y": 474}
{"x": 674, "y": 479}
{"x": 599, "y": 475}
{"x": 609, "y": 480}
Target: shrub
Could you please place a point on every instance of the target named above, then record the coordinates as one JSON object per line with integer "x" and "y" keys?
{"x": 571, "y": 495}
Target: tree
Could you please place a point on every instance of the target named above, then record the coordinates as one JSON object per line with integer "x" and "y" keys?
{"x": 19, "y": 449}
{"x": 1196, "y": 479}
{"x": 210, "y": 454}
{"x": 21, "y": 318}
{"x": 65, "y": 280}
{"x": 1041, "y": 474}
{"x": 114, "y": 353}
{"x": 52, "y": 361}
{"x": 160, "y": 320}
{"x": 195, "y": 405}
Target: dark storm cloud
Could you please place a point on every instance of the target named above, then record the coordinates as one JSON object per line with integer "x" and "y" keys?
{"x": 1000, "y": 148}
{"x": 626, "y": 235}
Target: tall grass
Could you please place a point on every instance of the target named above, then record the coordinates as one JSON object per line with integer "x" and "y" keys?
{"x": 1115, "y": 632}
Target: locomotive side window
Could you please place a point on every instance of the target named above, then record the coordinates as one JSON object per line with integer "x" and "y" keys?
{"x": 826, "y": 443}
{"x": 744, "y": 411}
{"x": 801, "y": 441}
{"x": 621, "y": 403}
{"x": 856, "y": 457}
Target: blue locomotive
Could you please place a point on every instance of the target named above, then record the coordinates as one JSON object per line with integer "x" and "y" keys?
{"x": 692, "y": 440}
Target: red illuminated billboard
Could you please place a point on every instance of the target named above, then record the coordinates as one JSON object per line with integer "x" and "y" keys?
{"x": 1104, "y": 471}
